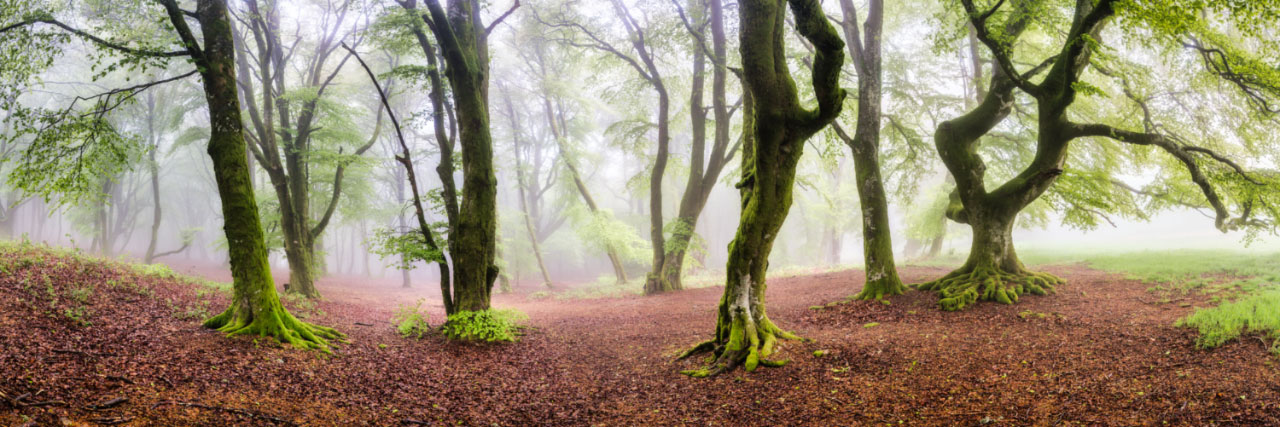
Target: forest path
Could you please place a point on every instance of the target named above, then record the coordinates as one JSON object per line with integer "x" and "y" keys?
{"x": 1100, "y": 351}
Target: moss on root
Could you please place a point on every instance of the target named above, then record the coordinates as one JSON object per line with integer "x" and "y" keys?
{"x": 962, "y": 288}
{"x": 881, "y": 289}
{"x": 748, "y": 344}
{"x": 275, "y": 323}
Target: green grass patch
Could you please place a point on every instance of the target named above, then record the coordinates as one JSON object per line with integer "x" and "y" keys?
{"x": 1257, "y": 313}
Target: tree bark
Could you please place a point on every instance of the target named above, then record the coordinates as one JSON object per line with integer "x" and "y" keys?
{"x": 744, "y": 334}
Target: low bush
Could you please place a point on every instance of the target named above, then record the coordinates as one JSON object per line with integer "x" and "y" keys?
{"x": 486, "y": 325}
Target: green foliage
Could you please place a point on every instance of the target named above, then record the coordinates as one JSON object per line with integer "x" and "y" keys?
{"x": 484, "y": 326}
{"x": 404, "y": 249}
{"x": 600, "y": 230}
{"x": 411, "y": 320}
{"x": 1258, "y": 313}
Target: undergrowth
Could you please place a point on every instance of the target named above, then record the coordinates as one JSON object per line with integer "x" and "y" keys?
{"x": 1257, "y": 313}
{"x": 484, "y": 326}
{"x": 411, "y": 320}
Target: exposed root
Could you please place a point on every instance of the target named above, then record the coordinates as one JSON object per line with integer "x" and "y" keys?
{"x": 963, "y": 287}
{"x": 880, "y": 289}
{"x": 278, "y": 324}
{"x": 748, "y": 344}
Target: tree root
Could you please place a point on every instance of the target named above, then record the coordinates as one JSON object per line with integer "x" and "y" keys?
{"x": 880, "y": 289}
{"x": 961, "y": 288}
{"x": 278, "y": 324}
{"x": 749, "y": 343}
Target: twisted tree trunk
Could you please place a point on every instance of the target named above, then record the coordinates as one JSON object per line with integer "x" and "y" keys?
{"x": 744, "y": 334}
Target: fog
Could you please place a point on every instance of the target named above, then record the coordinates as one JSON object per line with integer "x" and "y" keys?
{"x": 538, "y": 61}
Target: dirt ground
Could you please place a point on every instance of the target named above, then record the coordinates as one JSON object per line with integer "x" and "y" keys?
{"x": 1101, "y": 351}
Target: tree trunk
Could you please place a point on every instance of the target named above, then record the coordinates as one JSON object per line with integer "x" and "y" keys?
{"x": 877, "y": 243}
{"x": 993, "y": 271}
{"x": 744, "y": 334}
{"x": 255, "y": 307}
{"x": 472, "y": 241}
{"x": 154, "y": 169}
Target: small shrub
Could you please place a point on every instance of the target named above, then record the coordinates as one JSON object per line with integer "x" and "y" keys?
{"x": 81, "y": 294}
{"x": 487, "y": 325}
{"x": 411, "y": 321}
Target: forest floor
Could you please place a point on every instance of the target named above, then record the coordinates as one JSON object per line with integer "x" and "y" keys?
{"x": 77, "y": 337}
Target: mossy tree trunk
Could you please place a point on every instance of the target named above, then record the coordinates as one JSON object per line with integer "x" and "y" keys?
{"x": 703, "y": 172}
{"x": 744, "y": 335}
{"x": 473, "y": 230}
{"x": 255, "y": 307}
{"x": 877, "y": 244}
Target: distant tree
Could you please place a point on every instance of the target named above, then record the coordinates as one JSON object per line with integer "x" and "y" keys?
{"x": 642, "y": 59}
{"x": 521, "y": 150}
{"x": 779, "y": 126}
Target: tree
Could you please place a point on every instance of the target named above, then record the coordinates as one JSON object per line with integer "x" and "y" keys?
{"x": 522, "y": 183}
{"x": 704, "y": 167}
{"x": 643, "y": 61}
{"x": 993, "y": 271}
{"x": 463, "y": 42}
{"x": 877, "y": 243}
{"x": 286, "y": 123}
{"x": 255, "y": 307}
{"x": 548, "y": 66}
{"x": 779, "y": 126}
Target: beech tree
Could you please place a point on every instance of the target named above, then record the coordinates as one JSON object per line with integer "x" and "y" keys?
{"x": 255, "y": 306}
{"x": 287, "y": 121}
{"x": 864, "y": 47}
{"x": 1238, "y": 198}
{"x": 463, "y": 43}
{"x": 704, "y": 167}
{"x": 778, "y": 126}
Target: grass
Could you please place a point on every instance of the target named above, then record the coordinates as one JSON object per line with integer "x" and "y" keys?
{"x": 1256, "y": 313}
{"x": 1243, "y": 286}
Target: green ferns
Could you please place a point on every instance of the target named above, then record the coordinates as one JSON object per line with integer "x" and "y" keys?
{"x": 1257, "y": 313}
{"x": 486, "y": 325}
